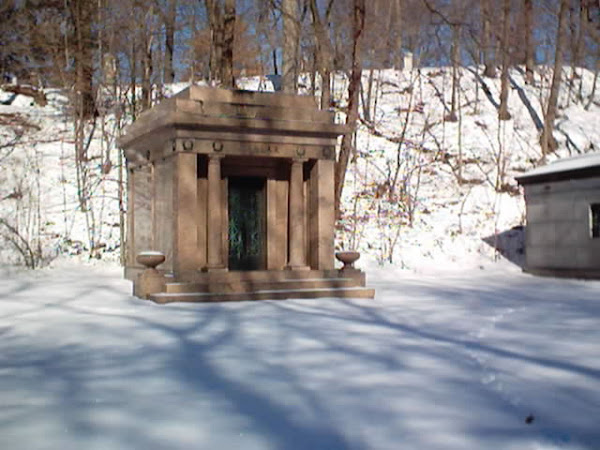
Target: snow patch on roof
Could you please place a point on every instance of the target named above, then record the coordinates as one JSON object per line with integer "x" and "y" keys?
{"x": 564, "y": 165}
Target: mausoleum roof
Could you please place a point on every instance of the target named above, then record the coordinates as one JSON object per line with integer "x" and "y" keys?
{"x": 581, "y": 166}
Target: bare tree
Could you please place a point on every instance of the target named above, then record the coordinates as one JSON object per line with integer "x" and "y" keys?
{"x": 323, "y": 51}
{"x": 168, "y": 15}
{"x": 291, "y": 41}
{"x": 215, "y": 23}
{"x": 529, "y": 43}
{"x": 221, "y": 20}
{"x": 486, "y": 38}
{"x": 503, "y": 113}
{"x": 547, "y": 141}
{"x": 82, "y": 13}
{"x": 147, "y": 58}
{"x": 455, "y": 56}
{"x": 358, "y": 27}
{"x": 395, "y": 31}
{"x": 578, "y": 27}
{"x": 228, "y": 35}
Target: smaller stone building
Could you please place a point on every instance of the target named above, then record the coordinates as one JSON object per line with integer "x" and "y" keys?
{"x": 235, "y": 188}
{"x": 563, "y": 217}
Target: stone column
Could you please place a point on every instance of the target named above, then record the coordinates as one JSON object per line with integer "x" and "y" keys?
{"x": 297, "y": 258}
{"x": 214, "y": 219}
{"x": 184, "y": 209}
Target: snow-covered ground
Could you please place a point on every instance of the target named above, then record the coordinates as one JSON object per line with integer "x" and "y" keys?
{"x": 439, "y": 360}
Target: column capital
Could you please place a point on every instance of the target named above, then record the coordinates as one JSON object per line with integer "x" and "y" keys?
{"x": 215, "y": 157}
{"x": 299, "y": 160}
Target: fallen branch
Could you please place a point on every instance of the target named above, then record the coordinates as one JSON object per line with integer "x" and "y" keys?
{"x": 37, "y": 95}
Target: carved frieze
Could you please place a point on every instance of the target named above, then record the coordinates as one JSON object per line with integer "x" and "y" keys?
{"x": 205, "y": 146}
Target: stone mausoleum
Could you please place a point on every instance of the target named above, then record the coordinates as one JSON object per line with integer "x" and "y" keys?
{"x": 235, "y": 189}
{"x": 562, "y": 236}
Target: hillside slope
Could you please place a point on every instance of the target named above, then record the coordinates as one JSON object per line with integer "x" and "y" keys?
{"x": 421, "y": 190}
{"x": 427, "y": 190}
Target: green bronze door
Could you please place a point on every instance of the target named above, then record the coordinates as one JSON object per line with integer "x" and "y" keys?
{"x": 246, "y": 201}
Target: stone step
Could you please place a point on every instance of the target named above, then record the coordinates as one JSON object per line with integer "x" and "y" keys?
{"x": 241, "y": 286}
{"x": 278, "y": 294}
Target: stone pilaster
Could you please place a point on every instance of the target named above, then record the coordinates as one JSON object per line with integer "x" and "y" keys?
{"x": 130, "y": 240}
{"x": 297, "y": 251}
{"x": 322, "y": 215}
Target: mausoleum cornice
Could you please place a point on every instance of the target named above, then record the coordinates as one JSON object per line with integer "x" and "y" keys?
{"x": 229, "y": 115}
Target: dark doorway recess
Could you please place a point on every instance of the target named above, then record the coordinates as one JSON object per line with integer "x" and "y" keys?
{"x": 246, "y": 202}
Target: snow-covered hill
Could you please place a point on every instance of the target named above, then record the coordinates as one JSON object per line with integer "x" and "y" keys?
{"x": 421, "y": 190}
{"x": 455, "y": 196}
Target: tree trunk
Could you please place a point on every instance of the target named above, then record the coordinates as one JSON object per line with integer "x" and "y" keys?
{"x": 323, "y": 54}
{"x": 529, "y": 41}
{"x": 592, "y": 95}
{"x": 146, "y": 75}
{"x": 147, "y": 67}
{"x": 486, "y": 38}
{"x": 578, "y": 25}
{"x": 82, "y": 13}
{"x": 228, "y": 34}
{"x": 215, "y": 23}
{"x": 455, "y": 63}
{"x": 366, "y": 96}
{"x": 133, "y": 78}
{"x": 583, "y": 31}
{"x": 313, "y": 72}
{"x": 291, "y": 42}
{"x": 170, "y": 20}
{"x": 358, "y": 26}
{"x": 503, "y": 113}
{"x": 399, "y": 42}
{"x": 275, "y": 66}
{"x": 547, "y": 141}
{"x": 394, "y": 32}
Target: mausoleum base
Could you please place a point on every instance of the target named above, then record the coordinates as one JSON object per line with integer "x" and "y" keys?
{"x": 265, "y": 285}
{"x": 148, "y": 282}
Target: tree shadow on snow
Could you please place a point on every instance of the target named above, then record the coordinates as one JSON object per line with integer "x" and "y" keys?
{"x": 444, "y": 343}
{"x": 71, "y": 377}
{"x": 188, "y": 363}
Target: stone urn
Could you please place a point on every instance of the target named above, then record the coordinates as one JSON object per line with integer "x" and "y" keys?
{"x": 348, "y": 258}
{"x": 150, "y": 259}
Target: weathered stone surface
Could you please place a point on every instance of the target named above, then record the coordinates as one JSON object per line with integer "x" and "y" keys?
{"x": 230, "y": 116}
{"x": 142, "y": 210}
{"x": 162, "y": 220}
{"x": 322, "y": 219}
{"x": 185, "y": 213}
